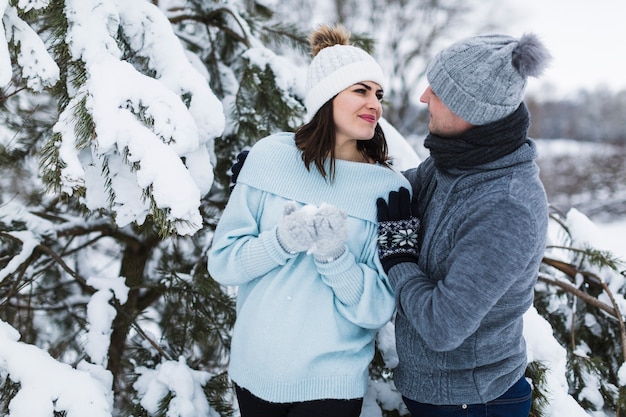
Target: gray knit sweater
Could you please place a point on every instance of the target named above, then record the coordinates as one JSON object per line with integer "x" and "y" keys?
{"x": 459, "y": 322}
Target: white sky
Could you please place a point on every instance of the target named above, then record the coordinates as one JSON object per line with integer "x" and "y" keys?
{"x": 586, "y": 39}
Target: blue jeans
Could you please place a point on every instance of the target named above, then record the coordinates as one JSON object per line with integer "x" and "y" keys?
{"x": 515, "y": 402}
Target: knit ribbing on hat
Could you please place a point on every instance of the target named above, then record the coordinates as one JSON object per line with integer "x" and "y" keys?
{"x": 336, "y": 68}
{"x": 479, "y": 80}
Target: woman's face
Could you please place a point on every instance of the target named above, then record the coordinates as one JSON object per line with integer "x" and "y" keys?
{"x": 356, "y": 111}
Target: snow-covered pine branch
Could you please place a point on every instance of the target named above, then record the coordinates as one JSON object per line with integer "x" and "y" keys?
{"x": 138, "y": 112}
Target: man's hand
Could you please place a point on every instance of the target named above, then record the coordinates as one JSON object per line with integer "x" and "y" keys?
{"x": 398, "y": 230}
{"x": 236, "y": 168}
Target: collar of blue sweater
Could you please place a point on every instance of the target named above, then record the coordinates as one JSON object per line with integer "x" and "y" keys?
{"x": 275, "y": 165}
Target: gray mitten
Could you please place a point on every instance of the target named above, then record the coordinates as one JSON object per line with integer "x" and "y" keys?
{"x": 331, "y": 231}
{"x": 296, "y": 230}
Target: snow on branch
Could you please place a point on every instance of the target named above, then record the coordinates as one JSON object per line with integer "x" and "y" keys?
{"x": 38, "y": 67}
{"x": 171, "y": 377}
{"x": 139, "y": 114}
{"x": 29, "y": 238}
{"x": 46, "y": 385}
{"x": 158, "y": 43}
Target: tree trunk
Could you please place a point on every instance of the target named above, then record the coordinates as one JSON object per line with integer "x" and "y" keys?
{"x": 134, "y": 259}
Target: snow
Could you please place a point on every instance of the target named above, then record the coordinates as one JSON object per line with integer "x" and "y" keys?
{"x": 80, "y": 394}
{"x": 101, "y": 314}
{"x": 542, "y": 346}
{"x": 39, "y": 68}
{"x": 119, "y": 98}
{"x": 610, "y": 236}
{"x": 28, "y": 245}
{"x": 173, "y": 158}
{"x": 186, "y": 385}
{"x": 114, "y": 94}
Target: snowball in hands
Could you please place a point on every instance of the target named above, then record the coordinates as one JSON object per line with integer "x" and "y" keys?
{"x": 331, "y": 232}
{"x": 319, "y": 231}
{"x": 296, "y": 231}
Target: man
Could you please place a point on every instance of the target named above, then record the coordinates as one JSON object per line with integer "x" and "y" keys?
{"x": 464, "y": 284}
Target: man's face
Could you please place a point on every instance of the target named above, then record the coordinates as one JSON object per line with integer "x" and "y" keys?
{"x": 443, "y": 122}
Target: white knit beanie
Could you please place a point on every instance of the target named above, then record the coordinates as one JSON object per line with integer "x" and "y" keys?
{"x": 336, "y": 68}
{"x": 483, "y": 78}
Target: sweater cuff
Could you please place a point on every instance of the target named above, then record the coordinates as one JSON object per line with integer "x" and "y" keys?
{"x": 343, "y": 276}
{"x": 392, "y": 260}
{"x": 399, "y": 275}
{"x": 274, "y": 248}
{"x": 330, "y": 257}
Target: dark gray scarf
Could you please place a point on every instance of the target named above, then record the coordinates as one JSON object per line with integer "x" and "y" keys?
{"x": 480, "y": 144}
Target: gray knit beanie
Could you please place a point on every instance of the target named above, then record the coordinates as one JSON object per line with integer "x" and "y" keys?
{"x": 336, "y": 66}
{"x": 482, "y": 79}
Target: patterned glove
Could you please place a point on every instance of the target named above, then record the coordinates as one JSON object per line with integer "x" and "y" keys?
{"x": 331, "y": 231}
{"x": 397, "y": 230}
{"x": 296, "y": 230}
{"x": 236, "y": 168}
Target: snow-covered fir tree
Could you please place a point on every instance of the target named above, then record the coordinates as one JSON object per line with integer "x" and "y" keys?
{"x": 114, "y": 127}
{"x": 120, "y": 120}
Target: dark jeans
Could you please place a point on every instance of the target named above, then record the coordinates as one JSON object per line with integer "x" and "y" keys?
{"x": 515, "y": 402}
{"x": 252, "y": 406}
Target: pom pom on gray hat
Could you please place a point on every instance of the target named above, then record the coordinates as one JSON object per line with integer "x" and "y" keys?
{"x": 483, "y": 78}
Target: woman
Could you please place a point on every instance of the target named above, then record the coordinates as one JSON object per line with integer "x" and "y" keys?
{"x": 298, "y": 237}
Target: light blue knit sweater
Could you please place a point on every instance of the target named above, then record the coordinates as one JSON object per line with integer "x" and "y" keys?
{"x": 304, "y": 330}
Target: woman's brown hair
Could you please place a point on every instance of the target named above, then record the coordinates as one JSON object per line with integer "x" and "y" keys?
{"x": 316, "y": 140}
